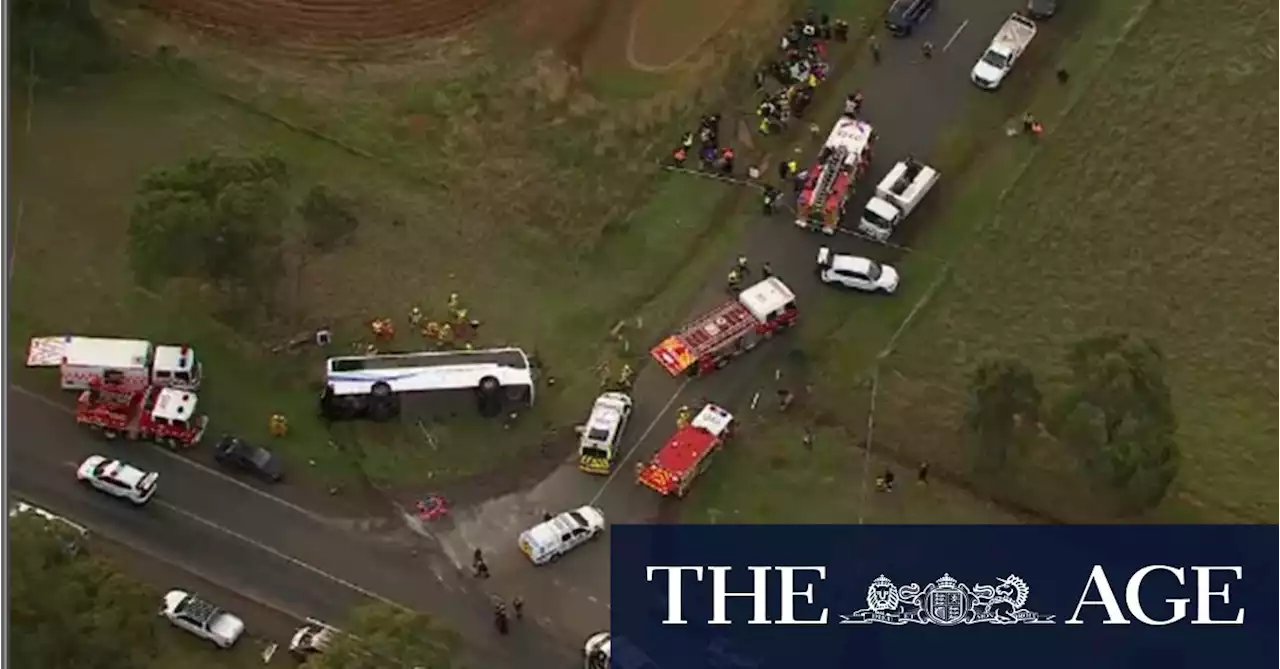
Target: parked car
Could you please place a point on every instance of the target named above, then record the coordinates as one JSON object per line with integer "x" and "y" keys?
{"x": 202, "y": 618}
{"x": 856, "y": 272}
{"x": 905, "y": 15}
{"x": 118, "y": 479}
{"x": 236, "y": 453}
{"x": 1041, "y": 10}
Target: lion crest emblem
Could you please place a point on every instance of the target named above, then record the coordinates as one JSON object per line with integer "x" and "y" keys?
{"x": 947, "y": 602}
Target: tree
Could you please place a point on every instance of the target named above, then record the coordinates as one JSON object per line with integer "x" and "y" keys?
{"x": 70, "y": 609}
{"x": 383, "y": 635}
{"x": 1118, "y": 418}
{"x": 1003, "y": 402}
{"x": 328, "y": 217}
{"x": 57, "y": 40}
{"x": 213, "y": 217}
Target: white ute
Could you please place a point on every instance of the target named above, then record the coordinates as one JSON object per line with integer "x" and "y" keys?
{"x": 202, "y": 618}
{"x": 552, "y": 538}
{"x": 856, "y": 272}
{"x": 118, "y": 479}
{"x": 1004, "y": 50}
{"x": 898, "y": 194}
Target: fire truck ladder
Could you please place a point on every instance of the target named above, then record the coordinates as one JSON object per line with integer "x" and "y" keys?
{"x": 717, "y": 328}
{"x": 830, "y": 172}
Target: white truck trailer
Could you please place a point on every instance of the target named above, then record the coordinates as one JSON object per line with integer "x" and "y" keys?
{"x": 898, "y": 194}
{"x": 1005, "y": 49}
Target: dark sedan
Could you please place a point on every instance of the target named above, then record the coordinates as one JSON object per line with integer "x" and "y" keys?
{"x": 905, "y": 15}
{"x": 1042, "y": 9}
{"x": 236, "y": 453}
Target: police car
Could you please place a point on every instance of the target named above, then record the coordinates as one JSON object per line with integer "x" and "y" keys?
{"x": 856, "y": 272}
{"x": 118, "y": 479}
{"x": 550, "y": 539}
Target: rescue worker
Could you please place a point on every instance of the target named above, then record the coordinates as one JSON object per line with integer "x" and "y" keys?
{"x": 824, "y": 26}
{"x": 758, "y": 79}
{"x": 874, "y": 45}
{"x": 853, "y": 104}
{"x": 726, "y": 160}
{"x": 517, "y": 605}
{"x": 278, "y": 425}
{"x": 744, "y": 266}
{"x": 884, "y": 482}
{"x": 415, "y": 317}
{"x": 446, "y": 335}
{"x": 1027, "y": 121}
{"x": 807, "y": 441}
{"x": 926, "y": 50}
{"x": 454, "y": 301}
{"x": 383, "y": 328}
{"x": 785, "y": 398}
{"x": 431, "y": 331}
{"x": 922, "y": 474}
{"x": 770, "y": 199}
{"x": 766, "y": 271}
{"x": 708, "y": 156}
{"x": 1036, "y": 129}
{"x": 841, "y": 30}
{"x": 460, "y": 317}
{"x": 500, "y": 618}
{"x": 735, "y": 279}
{"x": 683, "y": 416}
{"x": 680, "y": 155}
{"x": 604, "y": 374}
{"x": 783, "y": 169}
{"x": 625, "y": 375}
{"x": 792, "y": 167}
{"x": 687, "y": 140}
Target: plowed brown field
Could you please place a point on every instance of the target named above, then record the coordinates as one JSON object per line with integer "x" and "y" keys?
{"x": 327, "y": 26}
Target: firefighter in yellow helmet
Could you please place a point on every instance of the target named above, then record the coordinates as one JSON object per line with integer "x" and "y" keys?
{"x": 625, "y": 376}
{"x": 683, "y": 416}
{"x": 431, "y": 330}
{"x": 446, "y": 334}
{"x": 735, "y": 279}
{"x": 460, "y": 316}
{"x": 278, "y": 425}
{"x": 415, "y": 317}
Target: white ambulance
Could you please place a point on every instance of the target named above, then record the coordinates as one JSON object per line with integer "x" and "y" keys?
{"x": 133, "y": 363}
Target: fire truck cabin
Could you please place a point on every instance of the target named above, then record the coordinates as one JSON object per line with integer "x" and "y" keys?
{"x": 686, "y": 454}
{"x": 175, "y": 407}
{"x": 731, "y": 328}
{"x": 176, "y": 367}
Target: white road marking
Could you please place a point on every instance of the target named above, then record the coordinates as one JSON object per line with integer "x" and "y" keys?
{"x": 954, "y": 35}
{"x": 186, "y": 461}
{"x": 593, "y": 599}
{"x": 643, "y": 435}
{"x": 132, "y": 546}
{"x": 287, "y": 558}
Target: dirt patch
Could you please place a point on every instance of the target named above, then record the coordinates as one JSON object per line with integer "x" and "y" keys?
{"x": 326, "y": 27}
{"x": 662, "y": 33}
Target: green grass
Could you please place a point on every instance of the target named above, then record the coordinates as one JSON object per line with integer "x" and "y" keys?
{"x": 1133, "y": 214}
{"x": 980, "y": 230}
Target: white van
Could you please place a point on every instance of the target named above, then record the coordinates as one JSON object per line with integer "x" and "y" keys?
{"x": 550, "y": 539}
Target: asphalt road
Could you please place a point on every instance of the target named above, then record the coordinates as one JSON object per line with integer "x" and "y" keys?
{"x": 910, "y": 101}
{"x": 229, "y": 534}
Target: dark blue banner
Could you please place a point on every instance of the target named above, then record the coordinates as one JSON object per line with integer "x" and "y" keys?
{"x": 830, "y": 596}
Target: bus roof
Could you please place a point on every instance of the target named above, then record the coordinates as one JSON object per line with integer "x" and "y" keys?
{"x": 427, "y": 370}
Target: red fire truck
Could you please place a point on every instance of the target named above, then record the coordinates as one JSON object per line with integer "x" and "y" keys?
{"x": 845, "y": 157}
{"x": 729, "y": 330}
{"x": 687, "y": 453}
{"x": 164, "y": 415}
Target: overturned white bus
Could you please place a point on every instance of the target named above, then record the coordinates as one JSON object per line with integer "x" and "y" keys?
{"x": 378, "y": 387}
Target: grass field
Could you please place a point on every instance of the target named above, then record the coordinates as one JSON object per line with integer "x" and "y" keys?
{"x": 922, "y": 385}
{"x": 1148, "y": 208}
{"x": 524, "y": 187}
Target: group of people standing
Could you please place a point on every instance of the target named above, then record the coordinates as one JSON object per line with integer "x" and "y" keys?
{"x": 710, "y": 154}
{"x": 801, "y": 66}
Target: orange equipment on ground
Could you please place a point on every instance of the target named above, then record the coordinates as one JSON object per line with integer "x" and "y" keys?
{"x": 164, "y": 415}
{"x": 687, "y": 453}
